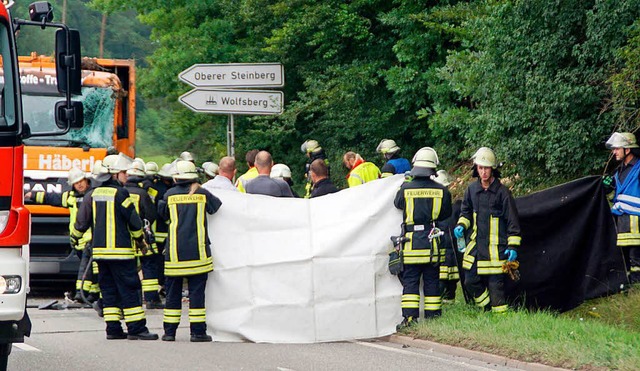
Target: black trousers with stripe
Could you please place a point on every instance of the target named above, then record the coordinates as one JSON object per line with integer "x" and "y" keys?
{"x": 197, "y": 285}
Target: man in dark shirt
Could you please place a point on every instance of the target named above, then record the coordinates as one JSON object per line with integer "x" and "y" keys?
{"x": 322, "y": 185}
{"x": 263, "y": 184}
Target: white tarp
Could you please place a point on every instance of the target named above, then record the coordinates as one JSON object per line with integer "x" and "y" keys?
{"x": 304, "y": 271}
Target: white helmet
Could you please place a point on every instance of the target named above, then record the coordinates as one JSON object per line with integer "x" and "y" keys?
{"x": 186, "y": 156}
{"x": 387, "y": 146}
{"x": 114, "y": 164}
{"x": 484, "y": 156}
{"x": 442, "y": 177}
{"x": 167, "y": 171}
{"x": 151, "y": 168}
{"x": 186, "y": 170}
{"x": 280, "y": 171}
{"x": 95, "y": 171}
{"x": 621, "y": 140}
{"x": 75, "y": 175}
{"x": 310, "y": 146}
{"x": 426, "y": 157}
{"x": 210, "y": 168}
{"x": 136, "y": 168}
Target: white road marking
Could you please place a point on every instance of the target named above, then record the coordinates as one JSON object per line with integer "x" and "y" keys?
{"x": 409, "y": 353}
{"x": 26, "y": 347}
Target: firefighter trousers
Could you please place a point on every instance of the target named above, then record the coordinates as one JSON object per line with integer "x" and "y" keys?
{"x": 411, "y": 290}
{"x": 486, "y": 289}
{"x": 151, "y": 265}
{"x": 121, "y": 296}
{"x": 173, "y": 306}
{"x": 632, "y": 261}
{"x": 89, "y": 282}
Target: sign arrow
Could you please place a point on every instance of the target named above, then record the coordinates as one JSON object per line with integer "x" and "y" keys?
{"x": 250, "y": 102}
{"x": 234, "y": 75}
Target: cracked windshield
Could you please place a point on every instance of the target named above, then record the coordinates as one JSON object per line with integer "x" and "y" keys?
{"x": 97, "y": 131}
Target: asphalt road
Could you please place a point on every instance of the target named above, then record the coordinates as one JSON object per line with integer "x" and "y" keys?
{"x": 74, "y": 339}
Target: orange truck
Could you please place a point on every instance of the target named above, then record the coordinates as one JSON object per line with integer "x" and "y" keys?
{"x": 108, "y": 96}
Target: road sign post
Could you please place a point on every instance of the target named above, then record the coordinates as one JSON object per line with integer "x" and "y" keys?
{"x": 215, "y": 91}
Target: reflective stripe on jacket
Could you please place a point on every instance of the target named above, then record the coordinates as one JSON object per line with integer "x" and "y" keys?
{"x": 188, "y": 250}
{"x": 422, "y": 202}
{"x": 108, "y": 210}
{"x": 70, "y": 200}
{"x": 364, "y": 172}
{"x": 145, "y": 208}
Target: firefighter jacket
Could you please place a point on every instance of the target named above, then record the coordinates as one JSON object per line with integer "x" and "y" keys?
{"x": 70, "y": 200}
{"x": 109, "y": 211}
{"x": 493, "y": 217}
{"x": 626, "y": 203}
{"x": 363, "y": 172}
{"x": 150, "y": 186}
{"x": 423, "y": 203}
{"x": 145, "y": 208}
{"x": 187, "y": 250}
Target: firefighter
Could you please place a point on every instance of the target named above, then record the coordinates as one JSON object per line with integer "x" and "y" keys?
{"x": 394, "y": 163}
{"x": 188, "y": 251}
{"x": 424, "y": 203}
{"x": 149, "y": 258}
{"x": 311, "y": 148}
{"x": 489, "y": 210}
{"x": 283, "y": 173}
{"x": 72, "y": 199}
{"x": 626, "y": 200}
{"x": 111, "y": 215}
{"x": 360, "y": 171}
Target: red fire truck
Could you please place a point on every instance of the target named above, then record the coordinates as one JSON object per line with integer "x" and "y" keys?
{"x": 15, "y": 221}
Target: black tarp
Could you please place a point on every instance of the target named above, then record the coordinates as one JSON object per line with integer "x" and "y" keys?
{"x": 568, "y": 251}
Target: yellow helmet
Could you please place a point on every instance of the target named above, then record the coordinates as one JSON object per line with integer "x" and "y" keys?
{"x": 387, "y": 146}
{"x": 484, "y": 156}
{"x": 186, "y": 170}
{"x": 75, "y": 175}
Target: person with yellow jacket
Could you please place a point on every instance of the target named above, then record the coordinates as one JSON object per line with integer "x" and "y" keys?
{"x": 488, "y": 208}
{"x": 424, "y": 204}
{"x": 72, "y": 199}
{"x": 109, "y": 212}
{"x": 360, "y": 171}
{"x": 252, "y": 173}
{"x": 187, "y": 251}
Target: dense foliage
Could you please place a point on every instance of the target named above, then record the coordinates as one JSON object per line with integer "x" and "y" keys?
{"x": 543, "y": 83}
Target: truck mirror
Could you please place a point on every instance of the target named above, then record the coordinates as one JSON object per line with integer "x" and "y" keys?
{"x": 68, "y": 61}
{"x": 69, "y": 116}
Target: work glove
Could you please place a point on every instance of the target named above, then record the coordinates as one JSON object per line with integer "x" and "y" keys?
{"x": 458, "y": 231}
{"x": 609, "y": 183}
{"x": 73, "y": 241}
{"x": 511, "y": 254}
{"x": 141, "y": 245}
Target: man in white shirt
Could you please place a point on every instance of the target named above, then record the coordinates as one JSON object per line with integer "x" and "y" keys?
{"x": 224, "y": 179}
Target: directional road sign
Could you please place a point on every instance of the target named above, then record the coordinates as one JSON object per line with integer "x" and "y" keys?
{"x": 249, "y": 102}
{"x": 234, "y": 75}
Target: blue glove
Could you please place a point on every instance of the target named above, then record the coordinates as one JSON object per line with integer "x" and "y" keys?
{"x": 512, "y": 255}
{"x": 458, "y": 231}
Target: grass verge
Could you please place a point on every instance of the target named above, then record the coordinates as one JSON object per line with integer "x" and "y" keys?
{"x": 568, "y": 340}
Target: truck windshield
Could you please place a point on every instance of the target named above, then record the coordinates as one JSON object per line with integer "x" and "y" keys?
{"x": 7, "y": 86}
{"x": 97, "y": 132}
